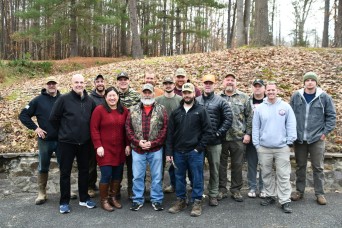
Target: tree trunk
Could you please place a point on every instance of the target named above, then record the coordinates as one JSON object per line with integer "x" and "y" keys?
{"x": 261, "y": 32}
{"x": 338, "y": 26}
{"x": 178, "y": 31}
{"x": 239, "y": 23}
{"x": 246, "y": 21}
{"x": 73, "y": 30}
{"x": 325, "y": 39}
{"x": 137, "y": 52}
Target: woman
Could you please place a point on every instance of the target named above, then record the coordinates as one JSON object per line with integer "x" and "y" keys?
{"x": 108, "y": 134}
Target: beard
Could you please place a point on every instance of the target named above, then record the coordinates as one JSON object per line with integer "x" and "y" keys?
{"x": 230, "y": 88}
{"x": 189, "y": 101}
{"x": 169, "y": 91}
{"x": 147, "y": 101}
{"x": 100, "y": 89}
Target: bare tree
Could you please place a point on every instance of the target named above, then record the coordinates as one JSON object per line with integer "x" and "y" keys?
{"x": 302, "y": 9}
{"x": 261, "y": 31}
{"x": 239, "y": 24}
{"x": 325, "y": 39}
{"x": 137, "y": 52}
{"x": 338, "y": 26}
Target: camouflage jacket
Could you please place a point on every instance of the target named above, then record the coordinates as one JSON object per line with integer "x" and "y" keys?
{"x": 242, "y": 115}
{"x": 129, "y": 98}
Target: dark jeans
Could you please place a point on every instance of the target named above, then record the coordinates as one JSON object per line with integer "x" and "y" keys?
{"x": 236, "y": 149}
{"x": 192, "y": 161}
{"x": 68, "y": 153}
{"x": 46, "y": 149}
{"x": 129, "y": 162}
{"x": 92, "y": 168}
{"x": 109, "y": 173}
{"x": 253, "y": 161}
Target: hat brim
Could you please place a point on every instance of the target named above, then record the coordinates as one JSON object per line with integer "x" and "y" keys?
{"x": 121, "y": 77}
{"x": 259, "y": 83}
{"x": 51, "y": 81}
{"x": 187, "y": 90}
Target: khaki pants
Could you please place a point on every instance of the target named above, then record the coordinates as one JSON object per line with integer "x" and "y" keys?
{"x": 213, "y": 153}
{"x": 279, "y": 184}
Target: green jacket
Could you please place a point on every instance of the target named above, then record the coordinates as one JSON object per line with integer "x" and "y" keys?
{"x": 242, "y": 115}
{"x": 129, "y": 98}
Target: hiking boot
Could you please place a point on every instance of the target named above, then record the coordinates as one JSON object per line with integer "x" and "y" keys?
{"x": 237, "y": 197}
{"x": 169, "y": 189}
{"x": 91, "y": 193}
{"x": 157, "y": 206}
{"x": 213, "y": 201}
{"x": 135, "y": 206}
{"x": 221, "y": 195}
{"x": 42, "y": 181}
{"x": 286, "y": 208}
{"x": 196, "y": 208}
{"x": 295, "y": 196}
{"x": 267, "y": 201}
{"x": 321, "y": 200}
{"x": 178, "y": 206}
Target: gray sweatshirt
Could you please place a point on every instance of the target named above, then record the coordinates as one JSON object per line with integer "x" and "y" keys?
{"x": 274, "y": 125}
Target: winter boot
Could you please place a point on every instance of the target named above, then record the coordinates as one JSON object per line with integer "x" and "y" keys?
{"x": 42, "y": 181}
{"x": 114, "y": 191}
{"x": 104, "y": 197}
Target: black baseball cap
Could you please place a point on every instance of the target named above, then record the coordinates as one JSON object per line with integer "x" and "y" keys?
{"x": 98, "y": 76}
{"x": 122, "y": 74}
{"x": 258, "y": 81}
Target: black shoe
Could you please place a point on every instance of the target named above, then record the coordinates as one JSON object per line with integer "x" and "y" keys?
{"x": 135, "y": 206}
{"x": 157, "y": 206}
{"x": 286, "y": 208}
{"x": 267, "y": 201}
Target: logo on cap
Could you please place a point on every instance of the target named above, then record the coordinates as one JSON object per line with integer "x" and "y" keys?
{"x": 188, "y": 87}
{"x": 168, "y": 79}
{"x": 121, "y": 75}
{"x": 258, "y": 81}
{"x": 181, "y": 72}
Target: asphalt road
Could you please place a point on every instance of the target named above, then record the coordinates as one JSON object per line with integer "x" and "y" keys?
{"x": 18, "y": 210}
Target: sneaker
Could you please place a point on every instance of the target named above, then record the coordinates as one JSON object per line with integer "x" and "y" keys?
{"x": 251, "y": 194}
{"x": 213, "y": 201}
{"x": 135, "y": 206}
{"x": 286, "y": 208}
{"x": 196, "y": 208}
{"x": 157, "y": 206}
{"x": 295, "y": 196}
{"x": 321, "y": 200}
{"x": 169, "y": 189}
{"x": 178, "y": 206}
{"x": 91, "y": 193}
{"x": 89, "y": 204}
{"x": 237, "y": 197}
{"x": 262, "y": 194}
{"x": 267, "y": 201}
{"x": 221, "y": 195}
{"x": 64, "y": 208}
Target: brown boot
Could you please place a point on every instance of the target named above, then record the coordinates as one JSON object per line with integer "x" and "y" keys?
{"x": 196, "y": 208}
{"x": 104, "y": 197}
{"x": 114, "y": 191}
{"x": 42, "y": 181}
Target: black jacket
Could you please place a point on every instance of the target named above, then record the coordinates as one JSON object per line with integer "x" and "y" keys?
{"x": 220, "y": 116}
{"x": 71, "y": 115}
{"x": 40, "y": 107}
{"x": 188, "y": 130}
{"x": 97, "y": 98}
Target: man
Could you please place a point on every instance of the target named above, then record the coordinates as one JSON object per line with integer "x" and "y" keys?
{"x": 316, "y": 118}
{"x": 170, "y": 101}
{"x": 146, "y": 127}
{"x": 188, "y": 131}
{"x": 236, "y": 139}
{"x": 181, "y": 79}
{"x": 98, "y": 96}
{"x": 274, "y": 131}
{"x": 128, "y": 97}
{"x": 71, "y": 115}
{"x": 257, "y": 97}
{"x": 221, "y": 120}
{"x": 40, "y": 107}
{"x": 150, "y": 79}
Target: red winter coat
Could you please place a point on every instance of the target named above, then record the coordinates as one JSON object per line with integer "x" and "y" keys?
{"x": 108, "y": 130}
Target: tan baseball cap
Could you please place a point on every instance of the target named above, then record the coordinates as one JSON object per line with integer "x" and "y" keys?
{"x": 188, "y": 87}
{"x": 209, "y": 78}
{"x": 180, "y": 71}
{"x": 148, "y": 86}
{"x": 230, "y": 74}
{"x": 51, "y": 79}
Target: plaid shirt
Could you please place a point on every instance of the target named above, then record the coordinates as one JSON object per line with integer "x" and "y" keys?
{"x": 146, "y": 120}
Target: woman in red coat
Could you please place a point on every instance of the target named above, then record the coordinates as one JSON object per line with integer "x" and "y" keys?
{"x": 108, "y": 134}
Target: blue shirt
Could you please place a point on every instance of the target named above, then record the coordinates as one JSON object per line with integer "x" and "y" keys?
{"x": 309, "y": 97}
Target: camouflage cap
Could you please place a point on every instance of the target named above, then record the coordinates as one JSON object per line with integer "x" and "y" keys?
{"x": 148, "y": 86}
{"x": 230, "y": 74}
{"x": 188, "y": 87}
{"x": 168, "y": 79}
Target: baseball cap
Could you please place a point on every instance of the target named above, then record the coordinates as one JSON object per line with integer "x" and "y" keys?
{"x": 168, "y": 79}
{"x": 51, "y": 79}
{"x": 258, "y": 81}
{"x": 209, "y": 78}
{"x": 230, "y": 74}
{"x": 188, "y": 87}
{"x": 148, "y": 86}
{"x": 122, "y": 75}
{"x": 98, "y": 76}
{"x": 180, "y": 71}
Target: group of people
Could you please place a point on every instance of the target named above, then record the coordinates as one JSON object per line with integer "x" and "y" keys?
{"x": 180, "y": 125}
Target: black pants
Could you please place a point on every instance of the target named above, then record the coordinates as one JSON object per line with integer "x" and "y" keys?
{"x": 92, "y": 168}
{"x": 68, "y": 153}
{"x": 129, "y": 172}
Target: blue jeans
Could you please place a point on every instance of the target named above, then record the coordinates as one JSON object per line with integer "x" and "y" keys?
{"x": 109, "y": 173}
{"x": 46, "y": 148}
{"x": 155, "y": 161}
{"x": 252, "y": 161}
{"x": 194, "y": 162}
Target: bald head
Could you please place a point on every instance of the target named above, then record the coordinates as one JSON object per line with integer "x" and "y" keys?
{"x": 77, "y": 84}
